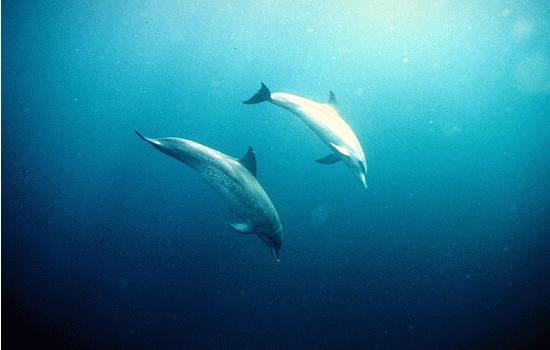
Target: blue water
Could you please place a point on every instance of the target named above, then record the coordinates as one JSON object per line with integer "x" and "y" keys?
{"x": 108, "y": 242}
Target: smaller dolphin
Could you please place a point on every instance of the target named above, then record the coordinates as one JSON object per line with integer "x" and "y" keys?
{"x": 235, "y": 180}
{"x": 325, "y": 120}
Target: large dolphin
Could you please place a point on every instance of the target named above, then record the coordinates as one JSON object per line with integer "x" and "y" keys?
{"x": 235, "y": 180}
{"x": 325, "y": 120}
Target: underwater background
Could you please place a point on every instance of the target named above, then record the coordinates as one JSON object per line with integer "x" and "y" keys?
{"x": 106, "y": 242}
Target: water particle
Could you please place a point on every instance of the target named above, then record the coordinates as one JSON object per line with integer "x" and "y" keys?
{"x": 344, "y": 51}
{"x": 122, "y": 283}
{"x": 319, "y": 215}
{"x": 533, "y": 74}
{"x": 523, "y": 28}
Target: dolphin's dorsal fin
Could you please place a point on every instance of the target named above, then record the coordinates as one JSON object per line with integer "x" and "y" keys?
{"x": 332, "y": 100}
{"x": 341, "y": 149}
{"x": 330, "y": 159}
{"x": 249, "y": 160}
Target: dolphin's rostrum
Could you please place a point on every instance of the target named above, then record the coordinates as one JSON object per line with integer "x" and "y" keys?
{"x": 235, "y": 180}
{"x": 325, "y": 120}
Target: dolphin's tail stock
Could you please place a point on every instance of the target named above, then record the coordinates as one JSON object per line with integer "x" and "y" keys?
{"x": 262, "y": 95}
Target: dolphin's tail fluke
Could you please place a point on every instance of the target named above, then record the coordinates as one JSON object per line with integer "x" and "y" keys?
{"x": 146, "y": 139}
{"x": 140, "y": 135}
{"x": 262, "y": 95}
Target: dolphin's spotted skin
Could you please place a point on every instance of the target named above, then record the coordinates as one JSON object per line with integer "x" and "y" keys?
{"x": 325, "y": 120}
{"x": 235, "y": 180}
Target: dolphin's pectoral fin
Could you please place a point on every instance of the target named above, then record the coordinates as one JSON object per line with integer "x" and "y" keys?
{"x": 342, "y": 150}
{"x": 249, "y": 160}
{"x": 332, "y": 101}
{"x": 330, "y": 159}
{"x": 241, "y": 227}
{"x": 262, "y": 95}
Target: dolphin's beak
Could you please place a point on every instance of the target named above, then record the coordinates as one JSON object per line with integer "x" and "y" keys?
{"x": 364, "y": 180}
{"x": 275, "y": 253}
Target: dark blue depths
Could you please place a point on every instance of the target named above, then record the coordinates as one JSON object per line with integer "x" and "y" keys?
{"x": 107, "y": 242}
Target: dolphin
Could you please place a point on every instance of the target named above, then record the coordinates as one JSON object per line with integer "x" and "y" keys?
{"x": 325, "y": 120}
{"x": 235, "y": 180}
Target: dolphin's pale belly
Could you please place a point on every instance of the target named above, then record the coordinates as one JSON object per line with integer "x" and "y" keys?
{"x": 329, "y": 125}
{"x": 244, "y": 196}
{"x": 322, "y": 118}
